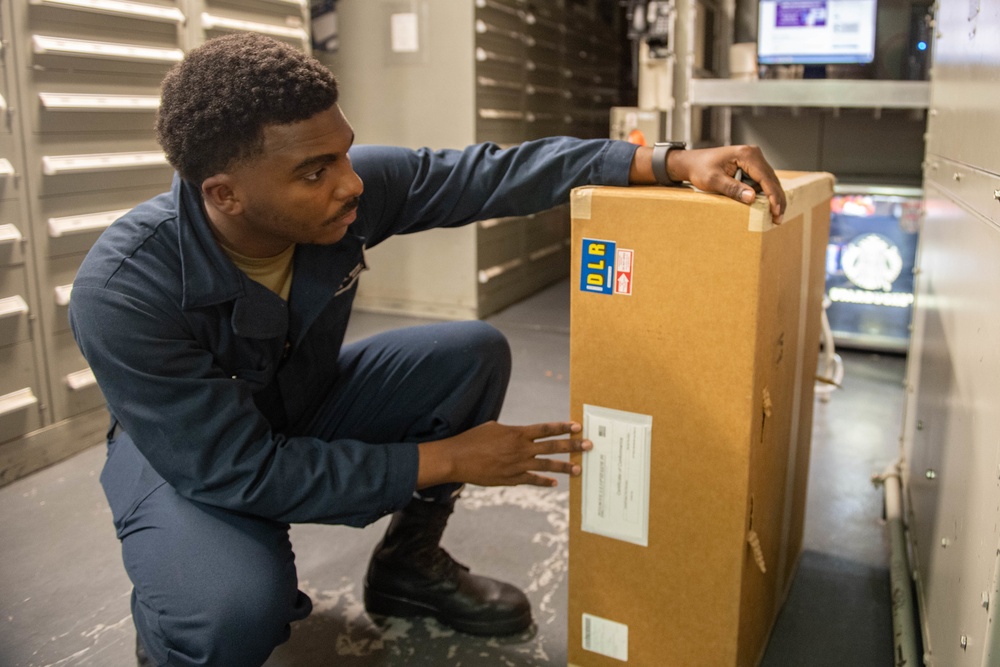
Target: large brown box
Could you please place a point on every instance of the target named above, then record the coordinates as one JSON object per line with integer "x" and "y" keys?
{"x": 695, "y": 330}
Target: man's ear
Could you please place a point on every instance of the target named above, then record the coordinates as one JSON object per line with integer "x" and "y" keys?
{"x": 219, "y": 193}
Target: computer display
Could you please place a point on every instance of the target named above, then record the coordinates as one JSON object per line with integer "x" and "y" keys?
{"x": 815, "y": 32}
{"x": 869, "y": 266}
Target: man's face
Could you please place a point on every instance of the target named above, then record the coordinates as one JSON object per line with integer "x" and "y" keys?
{"x": 302, "y": 188}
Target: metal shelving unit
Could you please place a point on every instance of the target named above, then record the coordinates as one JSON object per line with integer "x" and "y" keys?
{"x": 822, "y": 93}
{"x": 504, "y": 71}
{"x": 77, "y": 149}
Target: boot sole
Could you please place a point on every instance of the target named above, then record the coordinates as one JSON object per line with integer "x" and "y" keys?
{"x": 384, "y": 604}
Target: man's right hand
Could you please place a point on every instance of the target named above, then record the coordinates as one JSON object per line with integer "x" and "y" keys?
{"x": 494, "y": 454}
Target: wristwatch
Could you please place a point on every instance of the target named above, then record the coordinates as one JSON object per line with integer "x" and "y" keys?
{"x": 660, "y": 152}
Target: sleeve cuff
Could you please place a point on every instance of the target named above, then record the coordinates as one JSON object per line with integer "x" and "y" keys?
{"x": 616, "y": 163}
{"x": 401, "y": 475}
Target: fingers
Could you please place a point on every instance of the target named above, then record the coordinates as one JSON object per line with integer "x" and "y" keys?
{"x": 516, "y": 454}
{"x": 549, "y": 465}
{"x": 559, "y": 466}
{"x": 562, "y": 446}
{"x": 751, "y": 161}
{"x": 539, "y": 480}
{"x": 544, "y": 448}
{"x": 719, "y": 169}
{"x": 549, "y": 430}
{"x": 555, "y": 465}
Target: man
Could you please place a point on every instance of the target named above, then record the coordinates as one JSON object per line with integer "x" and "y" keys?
{"x": 213, "y": 317}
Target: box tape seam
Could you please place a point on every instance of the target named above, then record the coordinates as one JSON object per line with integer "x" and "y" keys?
{"x": 758, "y": 553}
{"x": 760, "y": 215}
{"x": 580, "y": 203}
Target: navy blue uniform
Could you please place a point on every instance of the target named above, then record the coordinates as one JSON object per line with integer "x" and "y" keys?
{"x": 235, "y": 413}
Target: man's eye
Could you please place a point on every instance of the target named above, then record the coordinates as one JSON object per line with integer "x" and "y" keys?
{"x": 314, "y": 176}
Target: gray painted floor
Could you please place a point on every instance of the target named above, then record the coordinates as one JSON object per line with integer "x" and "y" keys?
{"x": 64, "y": 594}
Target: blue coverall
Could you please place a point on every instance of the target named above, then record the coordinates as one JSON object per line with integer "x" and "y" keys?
{"x": 235, "y": 413}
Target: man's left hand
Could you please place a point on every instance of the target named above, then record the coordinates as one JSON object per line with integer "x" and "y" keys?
{"x": 714, "y": 170}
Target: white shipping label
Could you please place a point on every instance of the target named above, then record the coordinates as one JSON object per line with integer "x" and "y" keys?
{"x": 616, "y": 474}
{"x": 605, "y": 637}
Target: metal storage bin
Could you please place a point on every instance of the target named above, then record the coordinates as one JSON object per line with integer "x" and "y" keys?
{"x": 80, "y": 83}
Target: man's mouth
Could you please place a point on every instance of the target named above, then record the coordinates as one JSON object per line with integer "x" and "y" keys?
{"x": 347, "y": 215}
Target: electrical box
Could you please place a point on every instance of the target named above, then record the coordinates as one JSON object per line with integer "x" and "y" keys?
{"x": 643, "y": 127}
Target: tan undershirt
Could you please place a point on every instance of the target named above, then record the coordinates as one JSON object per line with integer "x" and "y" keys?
{"x": 274, "y": 273}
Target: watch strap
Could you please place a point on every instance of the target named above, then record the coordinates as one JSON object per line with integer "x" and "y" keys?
{"x": 660, "y": 152}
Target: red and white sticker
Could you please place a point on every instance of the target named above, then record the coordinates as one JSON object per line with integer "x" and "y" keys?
{"x": 623, "y": 271}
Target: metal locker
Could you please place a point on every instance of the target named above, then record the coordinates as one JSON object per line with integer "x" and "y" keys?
{"x": 81, "y": 82}
{"x": 22, "y": 392}
{"x": 19, "y": 396}
{"x": 950, "y": 443}
{"x": 88, "y": 74}
{"x": 511, "y": 71}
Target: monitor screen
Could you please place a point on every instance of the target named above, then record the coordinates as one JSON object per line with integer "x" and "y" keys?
{"x": 815, "y": 32}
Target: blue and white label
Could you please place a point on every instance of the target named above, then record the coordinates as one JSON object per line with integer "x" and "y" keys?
{"x": 597, "y": 266}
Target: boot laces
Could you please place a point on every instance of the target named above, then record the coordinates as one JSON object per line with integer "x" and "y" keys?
{"x": 440, "y": 564}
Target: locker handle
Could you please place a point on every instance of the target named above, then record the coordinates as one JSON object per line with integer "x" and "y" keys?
{"x": 17, "y": 400}
{"x": 210, "y": 22}
{"x": 63, "y": 293}
{"x": 81, "y": 379}
{"x": 76, "y": 224}
{"x": 482, "y": 55}
{"x": 119, "y": 8}
{"x": 548, "y": 250}
{"x": 9, "y": 234}
{"x": 6, "y": 168}
{"x": 74, "y": 164}
{"x": 13, "y": 305}
{"x": 501, "y": 114}
{"x": 78, "y": 102}
{"x": 488, "y": 274}
{"x": 61, "y": 46}
{"x": 487, "y": 82}
{"x": 500, "y": 7}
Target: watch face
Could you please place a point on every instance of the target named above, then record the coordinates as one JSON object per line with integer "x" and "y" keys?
{"x": 872, "y": 262}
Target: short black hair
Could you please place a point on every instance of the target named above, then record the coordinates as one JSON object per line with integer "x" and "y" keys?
{"x": 216, "y": 102}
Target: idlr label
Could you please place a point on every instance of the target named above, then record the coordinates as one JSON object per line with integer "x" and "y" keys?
{"x": 597, "y": 268}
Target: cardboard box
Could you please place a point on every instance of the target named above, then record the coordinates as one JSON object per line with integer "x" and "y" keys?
{"x": 695, "y": 330}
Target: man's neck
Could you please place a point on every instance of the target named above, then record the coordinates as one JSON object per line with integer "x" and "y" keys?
{"x": 231, "y": 233}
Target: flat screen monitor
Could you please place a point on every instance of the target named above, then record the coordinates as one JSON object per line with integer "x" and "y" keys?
{"x": 815, "y": 32}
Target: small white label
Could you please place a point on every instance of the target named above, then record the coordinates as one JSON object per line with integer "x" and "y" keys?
{"x": 605, "y": 637}
{"x": 615, "y": 500}
{"x": 405, "y": 36}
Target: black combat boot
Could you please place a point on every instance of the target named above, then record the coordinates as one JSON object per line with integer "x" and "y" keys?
{"x": 411, "y": 575}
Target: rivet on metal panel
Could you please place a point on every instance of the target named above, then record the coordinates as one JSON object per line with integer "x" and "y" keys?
{"x": 986, "y": 600}
{"x": 957, "y": 176}
{"x": 930, "y": 474}
{"x": 945, "y": 542}
{"x": 996, "y": 195}
{"x": 920, "y": 425}
{"x": 964, "y": 642}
